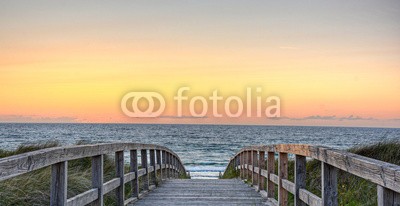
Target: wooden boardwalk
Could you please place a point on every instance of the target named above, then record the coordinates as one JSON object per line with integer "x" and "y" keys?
{"x": 161, "y": 167}
{"x": 202, "y": 192}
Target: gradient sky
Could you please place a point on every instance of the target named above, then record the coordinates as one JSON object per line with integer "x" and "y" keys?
{"x": 330, "y": 62}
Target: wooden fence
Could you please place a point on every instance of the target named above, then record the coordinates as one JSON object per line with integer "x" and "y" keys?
{"x": 163, "y": 164}
{"x": 257, "y": 165}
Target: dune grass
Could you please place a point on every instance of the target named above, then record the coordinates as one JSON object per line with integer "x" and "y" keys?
{"x": 352, "y": 190}
{"x": 33, "y": 188}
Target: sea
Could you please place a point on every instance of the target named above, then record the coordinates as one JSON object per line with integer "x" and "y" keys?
{"x": 204, "y": 149}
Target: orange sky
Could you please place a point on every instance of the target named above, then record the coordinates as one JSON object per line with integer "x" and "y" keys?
{"x": 59, "y": 64}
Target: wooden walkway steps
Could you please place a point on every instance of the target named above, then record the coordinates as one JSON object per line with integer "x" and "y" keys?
{"x": 202, "y": 192}
{"x": 152, "y": 165}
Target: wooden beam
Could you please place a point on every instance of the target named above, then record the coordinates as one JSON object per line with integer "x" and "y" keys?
{"x": 248, "y": 165}
{"x": 134, "y": 166}
{"x": 164, "y": 161}
{"x": 283, "y": 174}
{"x": 119, "y": 171}
{"x": 387, "y": 197}
{"x": 261, "y": 163}
{"x": 158, "y": 157}
{"x": 146, "y": 183}
{"x": 271, "y": 170}
{"x": 97, "y": 178}
{"x": 299, "y": 178}
{"x": 58, "y": 189}
{"x": 329, "y": 185}
{"x": 153, "y": 163}
{"x": 254, "y": 163}
{"x": 241, "y": 165}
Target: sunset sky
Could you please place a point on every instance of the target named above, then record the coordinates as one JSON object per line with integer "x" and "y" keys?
{"x": 333, "y": 63}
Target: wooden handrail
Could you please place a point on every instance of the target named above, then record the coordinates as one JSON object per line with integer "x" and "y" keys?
{"x": 250, "y": 162}
{"x": 162, "y": 160}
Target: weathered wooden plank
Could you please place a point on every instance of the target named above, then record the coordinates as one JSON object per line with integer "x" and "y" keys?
{"x": 146, "y": 181}
{"x": 261, "y": 178}
{"x": 84, "y": 198}
{"x": 111, "y": 185}
{"x": 158, "y": 157}
{"x": 167, "y": 158}
{"x": 134, "y": 170}
{"x": 271, "y": 171}
{"x": 288, "y": 186}
{"x": 283, "y": 174}
{"x": 309, "y": 198}
{"x": 119, "y": 171}
{"x": 381, "y": 173}
{"x": 249, "y": 173}
{"x": 329, "y": 185}
{"x": 255, "y": 170}
{"x": 164, "y": 162}
{"x": 58, "y": 189}
{"x": 142, "y": 172}
{"x": 254, "y": 163}
{"x": 264, "y": 173}
{"x": 241, "y": 165}
{"x": 172, "y": 193}
{"x": 19, "y": 164}
{"x": 130, "y": 200}
{"x": 130, "y": 176}
{"x": 387, "y": 197}
{"x": 97, "y": 178}
{"x": 299, "y": 178}
{"x": 152, "y": 172}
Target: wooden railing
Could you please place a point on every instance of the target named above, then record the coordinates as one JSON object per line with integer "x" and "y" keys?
{"x": 163, "y": 164}
{"x": 253, "y": 167}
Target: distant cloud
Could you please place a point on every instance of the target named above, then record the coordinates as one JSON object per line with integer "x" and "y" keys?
{"x": 333, "y": 117}
{"x": 352, "y": 117}
{"x": 35, "y": 119}
{"x": 182, "y": 117}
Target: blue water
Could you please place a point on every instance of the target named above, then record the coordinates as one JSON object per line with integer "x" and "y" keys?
{"x": 204, "y": 149}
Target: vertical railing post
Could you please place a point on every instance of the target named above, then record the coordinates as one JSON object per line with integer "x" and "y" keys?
{"x": 299, "y": 178}
{"x": 283, "y": 174}
{"x": 119, "y": 165}
{"x": 134, "y": 168}
{"x": 237, "y": 163}
{"x": 146, "y": 183}
{"x": 271, "y": 170}
{"x": 97, "y": 178}
{"x": 176, "y": 166}
{"x": 241, "y": 165}
{"x": 58, "y": 189}
{"x": 153, "y": 164}
{"x": 248, "y": 165}
{"x": 387, "y": 197}
{"x": 329, "y": 185}
{"x": 173, "y": 165}
{"x": 158, "y": 155}
{"x": 164, "y": 162}
{"x": 261, "y": 166}
{"x": 254, "y": 163}
{"x": 168, "y": 166}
